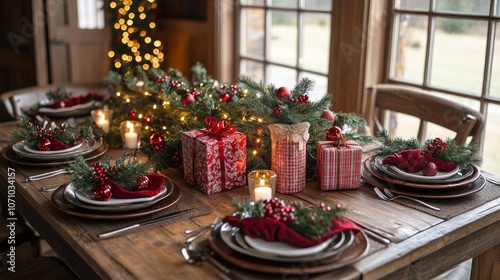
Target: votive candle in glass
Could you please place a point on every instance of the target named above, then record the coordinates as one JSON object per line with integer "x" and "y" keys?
{"x": 131, "y": 134}
{"x": 102, "y": 118}
{"x": 261, "y": 184}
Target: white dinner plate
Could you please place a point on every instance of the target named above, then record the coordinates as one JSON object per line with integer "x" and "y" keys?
{"x": 420, "y": 175}
{"x": 69, "y": 195}
{"x": 235, "y": 240}
{"x": 88, "y": 197}
{"x": 52, "y": 152}
{"x": 397, "y": 173}
{"x": 283, "y": 249}
{"x": 87, "y": 146}
{"x": 86, "y": 105}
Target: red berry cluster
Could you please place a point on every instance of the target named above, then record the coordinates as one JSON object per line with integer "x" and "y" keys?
{"x": 276, "y": 111}
{"x": 195, "y": 92}
{"x": 176, "y": 157}
{"x": 277, "y": 210}
{"x": 233, "y": 89}
{"x": 100, "y": 174}
{"x": 176, "y": 84}
{"x": 302, "y": 98}
{"x": 437, "y": 145}
{"x": 42, "y": 132}
{"x": 160, "y": 79}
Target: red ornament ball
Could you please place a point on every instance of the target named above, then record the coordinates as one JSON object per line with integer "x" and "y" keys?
{"x": 142, "y": 182}
{"x": 132, "y": 114}
{"x": 103, "y": 192}
{"x": 44, "y": 144}
{"x": 225, "y": 97}
{"x": 256, "y": 142}
{"x": 157, "y": 139}
{"x": 187, "y": 99}
{"x": 429, "y": 169}
{"x": 282, "y": 92}
{"x": 328, "y": 115}
{"x": 146, "y": 120}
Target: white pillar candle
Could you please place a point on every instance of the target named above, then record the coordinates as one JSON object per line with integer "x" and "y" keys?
{"x": 131, "y": 138}
{"x": 263, "y": 193}
{"x": 103, "y": 123}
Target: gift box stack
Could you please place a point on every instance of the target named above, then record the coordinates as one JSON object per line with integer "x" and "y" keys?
{"x": 338, "y": 164}
{"x": 214, "y": 158}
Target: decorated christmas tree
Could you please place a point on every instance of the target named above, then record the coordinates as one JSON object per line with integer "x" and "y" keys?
{"x": 133, "y": 44}
{"x": 167, "y": 104}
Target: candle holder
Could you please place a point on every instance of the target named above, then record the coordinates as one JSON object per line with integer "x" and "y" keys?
{"x": 102, "y": 118}
{"x": 261, "y": 184}
{"x": 131, "y": 134}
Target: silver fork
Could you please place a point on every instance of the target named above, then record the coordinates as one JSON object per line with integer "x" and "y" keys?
{"x": 49, "y": 174}
{"x": 390, "y": 196}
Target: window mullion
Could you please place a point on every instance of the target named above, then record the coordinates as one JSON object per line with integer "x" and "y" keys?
{"x": 431, "y": 21}
{"x": 300, "y": 35}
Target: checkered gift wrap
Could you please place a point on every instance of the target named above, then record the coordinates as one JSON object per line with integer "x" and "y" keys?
{"x": 288, "y": 156}
{"x": 203, "y": 164}
{"x": 338, "y": 167}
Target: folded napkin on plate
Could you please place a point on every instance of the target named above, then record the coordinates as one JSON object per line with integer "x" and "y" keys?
{"x": 271, "y": 230}
{"x": 154, "y": 187}
{"x": 412, "y": 161}
{"x": 56, "y": 145}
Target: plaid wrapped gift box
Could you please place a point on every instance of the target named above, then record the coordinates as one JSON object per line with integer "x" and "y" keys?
{"x": 288, "y": 155}
{"x": 338, "y": 167}
{"x": 214, "y": 165}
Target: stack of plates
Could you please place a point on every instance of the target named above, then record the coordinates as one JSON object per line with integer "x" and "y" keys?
{"x": 82, "y": 203}
{"x": 456, "y": 183}
{"x": 22, "y": 154}
{"x": 258, "y": 254}
{"x": 66, "y": 112}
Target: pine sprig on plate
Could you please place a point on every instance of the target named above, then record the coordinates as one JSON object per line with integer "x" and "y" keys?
{"x": 461, "y": 155}
{"x": 31, "y": 133}
{"x": 309, "y": 221}
{"x": 124, "y": 173}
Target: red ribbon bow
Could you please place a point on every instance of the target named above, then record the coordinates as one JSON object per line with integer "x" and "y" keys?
{"x": 218, "y": 129}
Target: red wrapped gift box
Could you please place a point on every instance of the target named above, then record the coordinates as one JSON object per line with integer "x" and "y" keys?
{"x": 338, "y": 167}
{"x": 209, "y": 168}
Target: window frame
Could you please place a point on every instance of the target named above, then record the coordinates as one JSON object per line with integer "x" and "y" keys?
{"x": 301, "y": 11}
{"x": 483, "y": 98}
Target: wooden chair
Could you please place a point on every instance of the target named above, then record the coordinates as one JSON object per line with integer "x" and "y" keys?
{"x": 463, "y": 120}
{"x": 25, "y": 98}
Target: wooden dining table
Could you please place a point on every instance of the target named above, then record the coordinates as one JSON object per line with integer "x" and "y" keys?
{"x": 423, "y": 242}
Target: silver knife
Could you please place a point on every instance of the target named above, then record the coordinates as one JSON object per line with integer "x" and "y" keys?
{"x": 169, "y": 215}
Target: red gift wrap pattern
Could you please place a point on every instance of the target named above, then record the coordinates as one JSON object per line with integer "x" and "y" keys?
{"x": 338, "y": 167}
{"x": 288, "y": 156}
{"x": 214, "y": 164}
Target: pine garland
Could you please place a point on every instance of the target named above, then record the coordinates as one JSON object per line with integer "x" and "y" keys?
{"x": 157, "y": 97}
{"x": 31, "y": 133}
{"x": 125, "y": 172}
{"x": 461, "y": 155}
{"x": 311, "y": 222}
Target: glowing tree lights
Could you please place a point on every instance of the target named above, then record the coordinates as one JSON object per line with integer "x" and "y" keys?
{"x": 132, "y": 44}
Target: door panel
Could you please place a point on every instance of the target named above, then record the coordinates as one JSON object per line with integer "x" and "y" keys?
{"x": 76, "y": 55}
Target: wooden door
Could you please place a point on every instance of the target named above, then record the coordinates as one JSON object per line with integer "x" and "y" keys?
{"x": 76, "y": 54}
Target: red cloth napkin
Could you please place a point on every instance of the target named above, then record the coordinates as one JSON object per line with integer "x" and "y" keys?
{"x": 154, "y": 187}
{"x": 412, "y": 161}
{"x": 271, "y": 230}
{"x": 56, "y": 145}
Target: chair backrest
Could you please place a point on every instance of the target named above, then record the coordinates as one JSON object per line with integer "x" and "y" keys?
{"x": 459, "y": 118}
{"x": 25, "y": 98}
